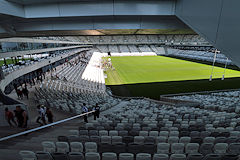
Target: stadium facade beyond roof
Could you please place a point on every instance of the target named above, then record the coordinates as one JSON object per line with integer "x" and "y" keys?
{"x": 215, "y": 20}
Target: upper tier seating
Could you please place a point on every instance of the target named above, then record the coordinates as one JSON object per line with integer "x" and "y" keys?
{"x": 199, "y": 55}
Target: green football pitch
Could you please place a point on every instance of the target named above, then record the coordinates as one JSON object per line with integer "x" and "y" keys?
{"x": 149, "y": 69}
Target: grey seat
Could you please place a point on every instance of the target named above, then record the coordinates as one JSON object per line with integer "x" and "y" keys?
{"x": 234, "y": 148}
{"x": 27, "y": 155}
{"x": 109, "y": 156}
{"x": 177, "y": 148}
{"x": 206, "y": 148}
{"x": 90, "y": 147}
{"x": 178, "y": 157}
{"x": 62, "y": 147}
{"x": 163, "y": 148}
{"x": 92, "y": 156}
{"x": 191, "y": 148}
{"x": 126, "y": 156}
{"x": 160, "y": 157}
{"x": 143, "y": 156}
{"x": 75, "y": 156}
{"x": 76, "y": 147}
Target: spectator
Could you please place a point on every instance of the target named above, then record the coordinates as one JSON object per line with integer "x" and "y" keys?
{"x": 49, "y": 115}
{"x": 9, "y": 117}
{"x": 97, "y": 111}
{"x": 21, "y": 116}
{"x": 18, "y": 93}
{"x": 41, "y": 115}
{"x": 85, "y": 110}
{"x": 25, "y": 91}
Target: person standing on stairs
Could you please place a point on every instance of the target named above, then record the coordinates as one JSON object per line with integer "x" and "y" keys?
{"x": 21, "y": 116}
{"x": 85, "y": 110}
{"x": 49, "y": 115}
{"x": 97, "y": 111}
{"x": 9, "y": 117}
{"x": 41, "y": 115}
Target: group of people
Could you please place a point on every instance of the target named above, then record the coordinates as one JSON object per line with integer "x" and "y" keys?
{"x": 96, "y": 114}
{"x": 20, "y": 114}
{"x": 43, "y": 113}
{"x": 23, "y": 91}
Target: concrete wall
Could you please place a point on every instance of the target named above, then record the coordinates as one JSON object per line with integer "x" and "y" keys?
{"x": 217, "y": 21}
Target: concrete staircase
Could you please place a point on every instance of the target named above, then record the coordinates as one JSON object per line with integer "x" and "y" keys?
{"x": 9, "y": 149}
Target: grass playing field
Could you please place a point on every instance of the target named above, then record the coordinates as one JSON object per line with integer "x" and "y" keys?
{"x": 148, "y": 69}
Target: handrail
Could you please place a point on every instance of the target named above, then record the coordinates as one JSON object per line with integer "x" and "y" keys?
{"x": 42, "y": 127}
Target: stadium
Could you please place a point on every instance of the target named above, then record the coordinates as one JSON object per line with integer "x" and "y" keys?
{"x": 119, "y": 80}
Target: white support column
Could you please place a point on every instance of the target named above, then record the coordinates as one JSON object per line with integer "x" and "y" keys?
{"x": 225, "y": 69}
{"x": 214, "y": 60}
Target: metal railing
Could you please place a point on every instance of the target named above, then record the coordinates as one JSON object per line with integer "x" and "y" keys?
{"x": 45, "y": 126}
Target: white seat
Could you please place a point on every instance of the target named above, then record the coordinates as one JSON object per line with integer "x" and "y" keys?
{"x": 143, "y": 133}
{"x": 220, "y": 148}
{"x": 109, "y": 156}
{"x": 163, "y": 148}
{"x": 153, "y": 133}
{"x": 90, "y": 147}
{"x": 139, "y": 139}
{"x": 76, "y": 146}
{"x": 161, "y": 139}
{"x": 163, "y": 133}
{"x": 48, "y": 146}
{"x": 173, "y": 133}
{"x": 234, "y": 133}
{"x": 113, "y": 133}
{"x": 178, "y": 157}
{"x": 116, "y": 139}
{"x": 143, "y": 156}
{"x": 92, "y": 156}
{"x": 73, "y": 133}
{"x": 106, "y": 139}
{"x": 103, "y": 133}
{"x": 126, "y": 156}
{"x": 62, "y": 147}
{"x": 27, "y": 155}
{"x": 173, "y": 140}
{"x": 209, "y": 140}
{"x": 191, "y": 148}
{"x": 160, "y": 157}
{"x": 185, "y": 140}
{"x": 177, "y": 148}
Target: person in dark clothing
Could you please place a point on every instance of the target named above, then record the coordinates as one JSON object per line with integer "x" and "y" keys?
{"x": 25, "y": 91}
{"x": 85, "y": 110}
{"x": 49, "y": 115}
{"x": 21, "y": 116}
{"x": 9, "y": 117}
{"x": 97, "y": 111}
{"x": 19, "y": 93}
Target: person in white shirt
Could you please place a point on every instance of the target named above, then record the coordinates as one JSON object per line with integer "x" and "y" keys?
{"x": 85, "y": 110}
{"x": 41, "y": 115}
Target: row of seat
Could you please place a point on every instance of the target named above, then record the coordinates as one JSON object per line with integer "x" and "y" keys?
{"x": 122, "y": 156}
{"x": 118, "y": 146}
